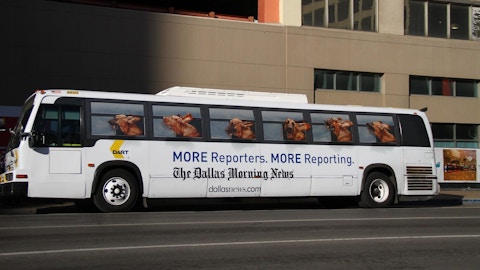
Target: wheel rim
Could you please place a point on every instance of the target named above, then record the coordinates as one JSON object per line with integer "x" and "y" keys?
{"x": 116, "y": 191}
{"x": 379, "y": 190}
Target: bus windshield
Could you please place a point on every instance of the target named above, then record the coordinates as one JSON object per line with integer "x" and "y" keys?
{"x": 20, "y": 126}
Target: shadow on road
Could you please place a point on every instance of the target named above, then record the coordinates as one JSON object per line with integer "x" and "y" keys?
{"x": 168, "y": 205}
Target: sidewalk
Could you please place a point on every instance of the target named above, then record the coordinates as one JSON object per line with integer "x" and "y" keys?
{"x": 465, "y": 195}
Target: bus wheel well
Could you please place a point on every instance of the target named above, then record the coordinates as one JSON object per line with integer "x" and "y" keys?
{"x": 381, "y": 168}
{"x": 109, "y": 166}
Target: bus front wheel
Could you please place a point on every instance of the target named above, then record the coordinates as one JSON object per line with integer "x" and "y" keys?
{"x": 116, "y": 192}
{"x": 377, "y": 192}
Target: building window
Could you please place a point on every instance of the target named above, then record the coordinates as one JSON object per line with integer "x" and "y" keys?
{"x": 415, "y": 18}
{"x": 341, "y": 14}
{"x": 455, "y": 135}
{"x": 435, "y": 86}
{"x": 347, "y": 80}
{"x": 459, "y": 22}
{"x": 476, "y": 23}
{"x": 442, "y": 20}
{"x": 437, "y": 20}
{"x": 364, "y": 15}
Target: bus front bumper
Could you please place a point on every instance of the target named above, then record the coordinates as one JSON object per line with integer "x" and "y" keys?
{"x": 13, "y": 189}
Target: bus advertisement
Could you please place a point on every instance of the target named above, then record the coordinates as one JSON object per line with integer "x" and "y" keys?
{"x": 115, "y": 149}
{"x": 457, "y": 165}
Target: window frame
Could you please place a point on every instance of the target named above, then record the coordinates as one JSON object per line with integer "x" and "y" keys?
{"x": 328, "y": 10}
{"x": 161, "y": 131}
{"x": 255, "y": 129}
{"x": 110, "y": 115}
{"x": 453, "y": 12}
{"x": 332, "y": 80}
{"x": 449, "y": 86}
{"x": 454, "y": 141}
{"x": 57, "y": 136}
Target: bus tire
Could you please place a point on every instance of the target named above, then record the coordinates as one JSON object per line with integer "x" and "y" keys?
{"x": 117, "y": 192}
{"x": 378, "y": 191}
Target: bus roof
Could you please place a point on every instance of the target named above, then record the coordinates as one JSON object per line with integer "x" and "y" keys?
{"x": 232, "y": 94}
{"x": 265, "y": 99}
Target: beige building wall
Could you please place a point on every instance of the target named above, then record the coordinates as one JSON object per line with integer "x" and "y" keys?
{"x": 60, "y": 45}
{"x": 390, "y": 17}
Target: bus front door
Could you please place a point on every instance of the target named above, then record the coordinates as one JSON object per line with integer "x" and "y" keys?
{"x": 58, "y": 158}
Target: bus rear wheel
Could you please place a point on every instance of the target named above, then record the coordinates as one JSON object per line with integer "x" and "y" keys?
{"x": 377, "y": 192}
{"x": 116, "y": 192}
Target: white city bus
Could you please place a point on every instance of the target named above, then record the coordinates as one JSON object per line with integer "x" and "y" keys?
{"x": 119, "y": 148}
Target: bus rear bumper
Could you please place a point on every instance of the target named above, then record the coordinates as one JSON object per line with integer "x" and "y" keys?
{"x": 13, "y": 189}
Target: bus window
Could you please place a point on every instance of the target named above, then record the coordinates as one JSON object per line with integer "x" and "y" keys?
{"x": 177, "y": 122}
{"x": 232, "y": 124}
{"x": 328, "y": 127}
{"x": 57, "y": 126}
{"x": 376, "y": 129}
{"x": 121, "y": 119}
{"x": 70, "y": 126}
{"x": 46, "y": 125}
{"x": 414, "y": 132}
{"x": 284, "y": 126}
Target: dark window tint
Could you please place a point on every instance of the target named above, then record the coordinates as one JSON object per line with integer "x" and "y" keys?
{"x": 443, "y": 131}
{"x": 459, "y": 21}
{"x": 415, "y": 18}
{"x": 419, "y": 85}
{"x": 465, "y": 88}
{"x": 414, "y": 132}
{"x": 437, "y": 20}
{"x": 59, "y": 126}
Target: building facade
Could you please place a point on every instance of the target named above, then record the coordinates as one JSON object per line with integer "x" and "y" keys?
{"x": 392, "y": 53}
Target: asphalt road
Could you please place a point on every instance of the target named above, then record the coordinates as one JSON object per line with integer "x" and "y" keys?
{"x": 428, "y": 237}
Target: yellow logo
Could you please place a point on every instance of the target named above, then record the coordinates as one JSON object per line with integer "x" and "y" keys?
{"x": 16, "y": 158}
{"x": 116, "y": 151}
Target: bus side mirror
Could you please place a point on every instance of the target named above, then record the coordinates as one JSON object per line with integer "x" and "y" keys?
{"x": 36, "y": 139}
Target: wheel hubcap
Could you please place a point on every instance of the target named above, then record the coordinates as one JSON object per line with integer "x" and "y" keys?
{"x": 379, "y": 190}
{"x": 116, "y": 191}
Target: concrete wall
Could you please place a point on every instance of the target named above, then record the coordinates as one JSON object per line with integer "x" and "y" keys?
{"x": 58, "y": 45}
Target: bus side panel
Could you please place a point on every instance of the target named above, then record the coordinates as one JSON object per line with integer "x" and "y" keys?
{"x": 237, "y": 169}
{"x": 334, "y": 170}
{"x": 133, "y": 152}
{"x": 55, "y": 172}
{"x": 176, "y": 169}
{"x": 199, "y": 169}
{"x": 420, "y": 176}
{"x": 380, "y": 158}
{"x": 288, "y": 172}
